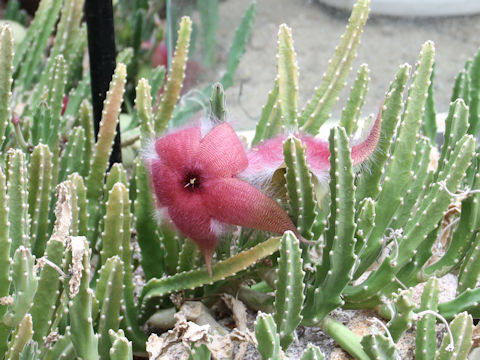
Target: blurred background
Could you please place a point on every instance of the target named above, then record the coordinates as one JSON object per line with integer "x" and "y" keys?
{"x": 386, "y": 43}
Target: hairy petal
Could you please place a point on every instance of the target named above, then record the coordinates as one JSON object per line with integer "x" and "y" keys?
{"x": 317, "y": 154}
{"x": 192, "y": 219}
{"x": 221, "y": 153}
{"x": 236, "y": 202}
{"x": 362, "y": 151}
{"x": 165, "y": 183}
{"x": 179, "y": 149}
{"x": 267, "y": 157}
{"x": 264, "y": 160}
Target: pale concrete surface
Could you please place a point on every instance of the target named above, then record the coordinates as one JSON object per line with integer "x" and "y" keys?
{"x": 386, "y": 44}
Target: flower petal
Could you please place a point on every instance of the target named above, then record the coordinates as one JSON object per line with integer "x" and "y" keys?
{"x": 364, "y": 150}
{"x": 221, "y": 153}
{"x": 317, "y": 154}
{"x": 192, "y": 219}
{"x": 236, "y": 202}
{"x": 263, "y": 161}
{"x": 267, "y": 157}
{"x": 179, "y": 149}
{"x": 165, "y": 182}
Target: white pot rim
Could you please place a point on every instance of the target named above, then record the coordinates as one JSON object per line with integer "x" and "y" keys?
{"x": 423, "y": 8}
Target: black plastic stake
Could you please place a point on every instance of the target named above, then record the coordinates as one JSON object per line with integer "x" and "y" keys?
{"x": 102, "y": 54}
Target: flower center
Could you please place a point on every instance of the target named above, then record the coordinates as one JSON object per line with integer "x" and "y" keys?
{"x": 192, "y": 181}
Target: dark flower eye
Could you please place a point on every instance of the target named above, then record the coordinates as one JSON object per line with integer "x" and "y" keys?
{"x": 192, "y": 180}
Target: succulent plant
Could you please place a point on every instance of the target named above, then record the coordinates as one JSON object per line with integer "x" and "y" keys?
{"x": 195, "y": 178}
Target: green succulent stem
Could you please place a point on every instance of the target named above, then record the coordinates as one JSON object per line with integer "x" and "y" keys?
{"x": 268, "y": 339}
{"x": 287, "y": 77}
{"x": 299, "y": 184}
{"x": 369, "y": 181}
{"x": 6, "y": 61}
{"x": 4, "y": 259}
{"x": 103, "y": 147}
{"x": 461, "y": 328}
{"x": 402, "y": 319}
{"x": 379, "y": 347}
{"x": 218, "y": 103}
{"x": 351, "y": 112}
{"x": 143, "y": 101}
{"x": 338, "y": 259}
{"x": 20, "y": 338}
{"x": 348, "y": 340}
{"x": 289, "y": 289}
{"x": 269, "y": 123}
{"x": 312, "y": 352}
{"x": 175, "y": 78}
{"x": 84, "y": 339}
{"x": 220, "y": 270}
{"x": 25, "y": 283}
{"x": 398, "y": 171}
{"x": 426, "y": 340}
{"x": 317, "y": 111}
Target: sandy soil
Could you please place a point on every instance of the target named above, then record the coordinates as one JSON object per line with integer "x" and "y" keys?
{"x": 386, "y": 44}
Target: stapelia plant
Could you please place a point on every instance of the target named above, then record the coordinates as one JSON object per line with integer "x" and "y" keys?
{"x": 399, "y": 203}
{"x": 74, "y": 283}
{"x": 196, "y": 179}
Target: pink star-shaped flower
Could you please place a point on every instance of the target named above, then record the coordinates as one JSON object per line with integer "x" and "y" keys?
{"x": 265, "y": 158}
{"x": 195, "y": 180}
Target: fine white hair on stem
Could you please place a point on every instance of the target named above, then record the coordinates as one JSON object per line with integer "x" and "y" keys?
{"x": 148, "y": 152}
{"x": 206, "y": 125}
{"x": 161, "y": 214}
{"x": 450, "y": 347}
{"x": 194, "y": 94}
{"x": 198, "y": 97}
{"x": 383, "y": 326}
{"x": 321, "y": 176}
{"x": 400, "y": 283}
{"x": 394, "y": 236}
{"x": 259, "y": 179}
{"x": 465, "y": 193}
{"x": 388, "y": 242}
{"x": 45, "y": 261}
